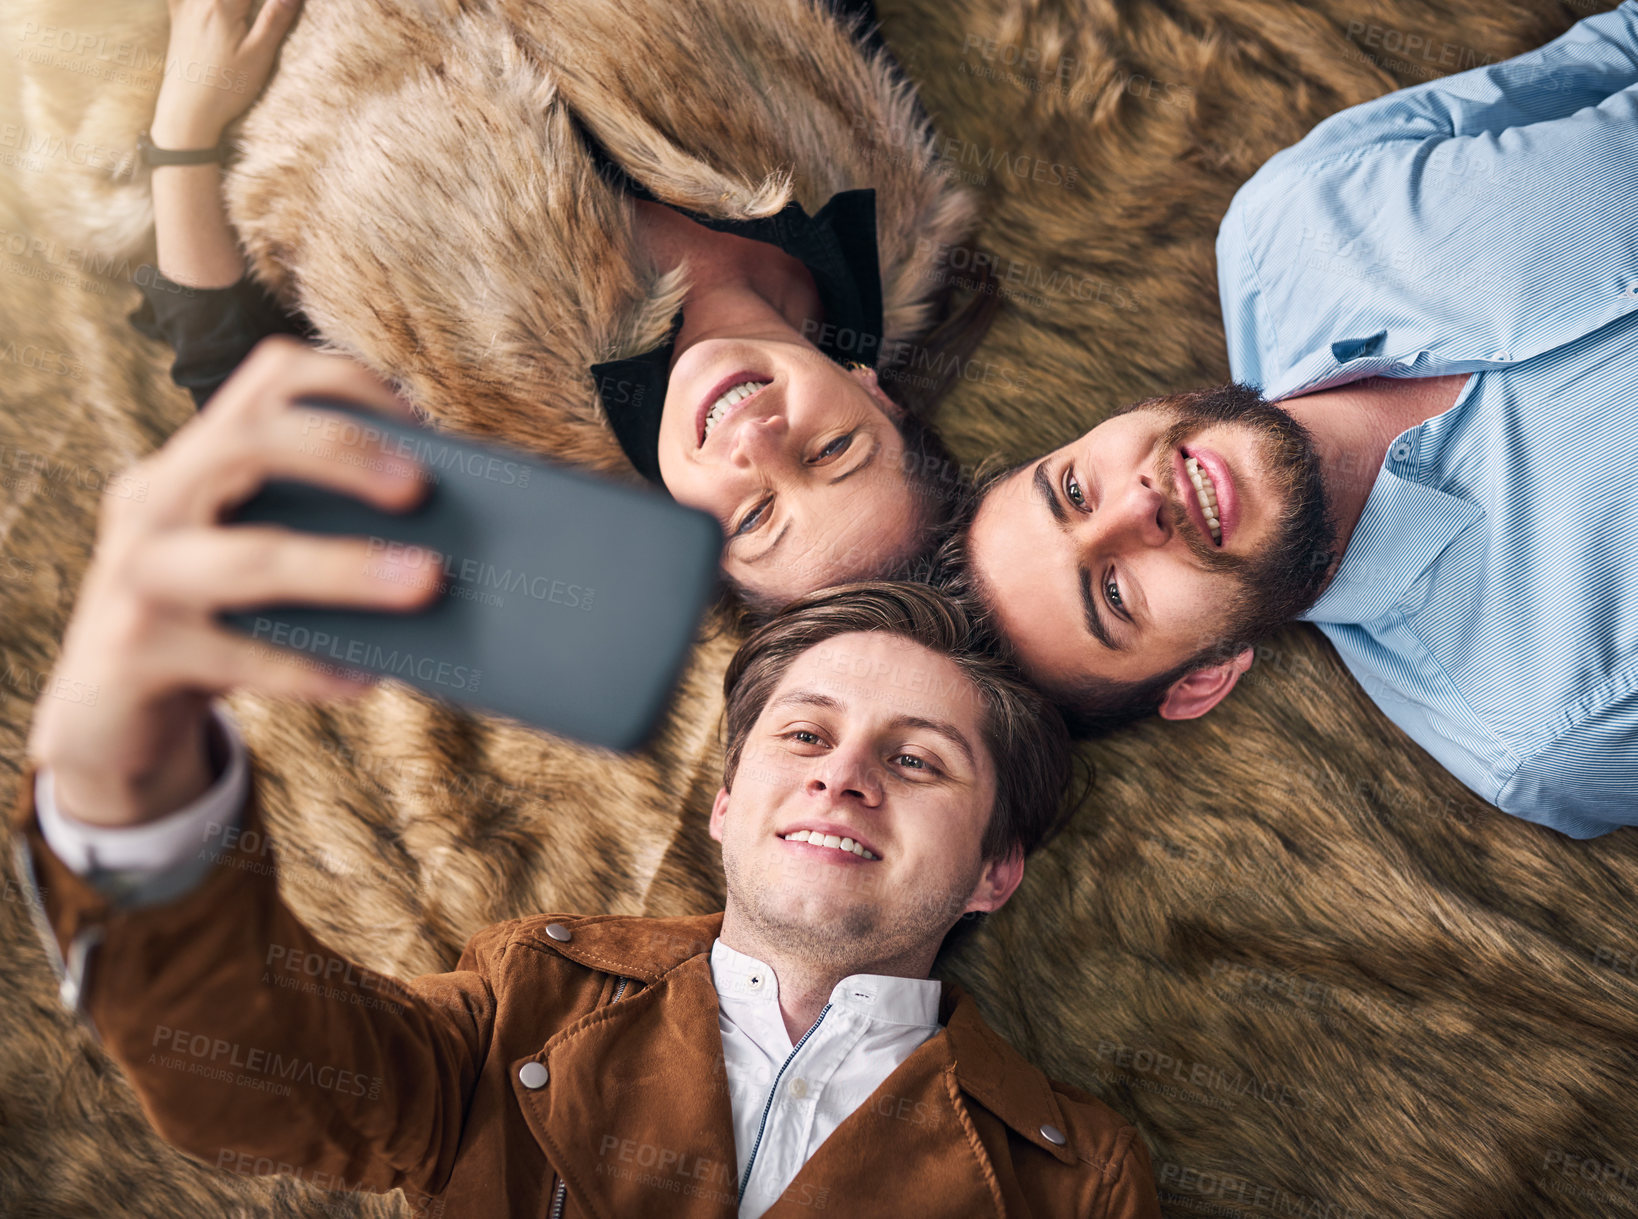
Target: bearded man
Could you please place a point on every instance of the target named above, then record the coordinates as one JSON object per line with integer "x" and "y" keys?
{"x": 1432, "y": 312}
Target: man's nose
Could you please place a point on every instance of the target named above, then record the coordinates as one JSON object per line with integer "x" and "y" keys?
{"x": 1137, "y": 514}
{"x": 848, "y": 776}
{"x": 761, "y": 443}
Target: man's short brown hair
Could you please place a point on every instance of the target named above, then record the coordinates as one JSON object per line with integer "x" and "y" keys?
{"x": 1026, "y": 738}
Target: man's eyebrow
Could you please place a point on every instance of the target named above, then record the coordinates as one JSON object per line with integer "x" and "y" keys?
{"x": 1043, "y": 487}
{"x": 1094, "y": 620}
{"x": 868, "y": 458}
{"x": 945, "y": 729}
{"x": 808, "y": 698}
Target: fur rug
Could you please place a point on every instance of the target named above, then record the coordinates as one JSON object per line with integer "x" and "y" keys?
{"x": 1321, "y": 977}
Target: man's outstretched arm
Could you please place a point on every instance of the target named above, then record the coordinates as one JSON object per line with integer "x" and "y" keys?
{"x": 1596, "y": 57}
{"x": 1483, "y": 218}
{"x": 1583, "y": 781}
{"x": 246, "y": 1037}
{"x": 177, "y": 949}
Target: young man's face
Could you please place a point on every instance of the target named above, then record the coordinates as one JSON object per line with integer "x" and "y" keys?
{"x": 876, "y": 740}
{"x": 1101, "y": 560}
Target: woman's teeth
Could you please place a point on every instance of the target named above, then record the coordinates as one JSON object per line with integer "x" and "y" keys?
{"x": 815, "y": 839}
{"x": 719, "y": 408}
{"x": 1207, "y": 495}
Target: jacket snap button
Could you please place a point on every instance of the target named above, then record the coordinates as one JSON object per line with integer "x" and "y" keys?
{"x": 559, "y": 932}
{"x": 1053, "y": 1135}
{"x": 533, "y": 1075}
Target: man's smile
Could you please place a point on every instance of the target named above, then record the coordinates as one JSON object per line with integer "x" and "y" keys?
{"x": 1208, "y": 493}
{"x": 830, "y": 839}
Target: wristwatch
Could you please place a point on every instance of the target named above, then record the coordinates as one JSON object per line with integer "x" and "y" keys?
{"x": 153, "y": 155}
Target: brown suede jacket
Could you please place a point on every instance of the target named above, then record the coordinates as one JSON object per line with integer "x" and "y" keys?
{"x": 567, "y": 1066}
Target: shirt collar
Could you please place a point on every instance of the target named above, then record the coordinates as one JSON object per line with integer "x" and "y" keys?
{"x": 1404, "y": 528}
{"x": 882, "y": 998}
{"x": 632, "y": 391}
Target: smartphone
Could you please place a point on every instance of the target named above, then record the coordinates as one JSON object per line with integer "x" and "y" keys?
{"x": 567, "y": 601}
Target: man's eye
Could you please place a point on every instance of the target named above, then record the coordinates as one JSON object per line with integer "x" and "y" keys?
{"x": 753, "y": 518}
{"x": 1072, "y": 488}
{"x": 805, "y": 737}
{"x": 912, "y": 762}
{"x": 835, "y": 448}
{"x": 1111, "y": 593}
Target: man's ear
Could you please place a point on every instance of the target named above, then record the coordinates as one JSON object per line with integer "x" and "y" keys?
{"x": 997, "y": 882}
{"x": 1196, "y": 693}
{"x": 719, "y": 813}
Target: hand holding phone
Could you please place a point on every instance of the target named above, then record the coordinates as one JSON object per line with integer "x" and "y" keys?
{"x": 121, "y": 723}
{"x": 546, "y": 594}
{"x": 568, "y": 601}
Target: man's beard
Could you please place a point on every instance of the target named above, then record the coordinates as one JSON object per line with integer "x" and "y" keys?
{"x": 852, "y": 933}
{"x": 1285, "y": 576}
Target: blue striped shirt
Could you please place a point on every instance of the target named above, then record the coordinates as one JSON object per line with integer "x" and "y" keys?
{"x": 1486, "y": 224}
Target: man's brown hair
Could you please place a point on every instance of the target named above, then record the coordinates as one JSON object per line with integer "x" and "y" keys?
{"x": 1024, "y": 734}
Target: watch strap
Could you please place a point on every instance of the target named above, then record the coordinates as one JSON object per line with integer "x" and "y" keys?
{"x": 151, "y": 154}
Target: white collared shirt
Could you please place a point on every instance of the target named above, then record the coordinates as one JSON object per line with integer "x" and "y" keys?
{"x": 159, "y": 845}
{"x": 787, "y": 1099}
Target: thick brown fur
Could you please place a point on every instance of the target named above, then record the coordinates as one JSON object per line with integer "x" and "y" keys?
{"x": 1322, "y": 977}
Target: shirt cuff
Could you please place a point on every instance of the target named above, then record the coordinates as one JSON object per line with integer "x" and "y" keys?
{"x": 145, "y": 851}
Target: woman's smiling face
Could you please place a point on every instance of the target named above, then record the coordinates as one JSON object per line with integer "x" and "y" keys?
{"x": 799, "y": 459}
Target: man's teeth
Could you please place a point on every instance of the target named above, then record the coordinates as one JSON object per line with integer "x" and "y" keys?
{"x": 815, "y": 839}
{"x": 719, "y": 408}
{"x": 1207, "y": 495}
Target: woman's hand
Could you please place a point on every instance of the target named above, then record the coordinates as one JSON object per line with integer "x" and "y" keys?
{"x": 217, "y": 62}
{"x": 144, "y": 653}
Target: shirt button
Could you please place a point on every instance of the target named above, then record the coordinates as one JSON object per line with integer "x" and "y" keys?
{"x": 799, "y": 1088}
{"x": 1632, "y": 288}
{"x": 533, "y": 1075}
{"x": 559, "y": 932}
{"x": 1053, "y": 1135}
{"x": 754, "y": 982}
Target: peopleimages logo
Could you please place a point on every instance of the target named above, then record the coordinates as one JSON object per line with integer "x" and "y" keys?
{"x": 212, "y": 1057}
{"x": 30, "y": 150}
{"x": 475, "y": 580}
{"x": 361, "y": 655}
{"x": 429, "y": 452}
{"x": 41, "y": 359}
